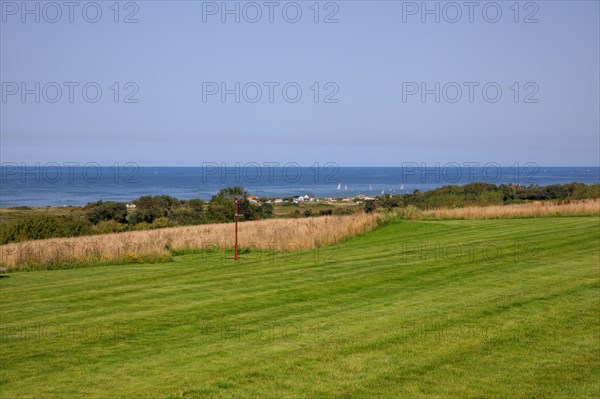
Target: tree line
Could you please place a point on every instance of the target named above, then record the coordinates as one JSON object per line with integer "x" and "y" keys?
{"x": 160, "y": 211}
{"x": 150, "y": 212}
{"x": 484, "y": 194}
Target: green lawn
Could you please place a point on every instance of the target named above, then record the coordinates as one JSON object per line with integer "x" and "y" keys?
{"x": 480, "y": 308}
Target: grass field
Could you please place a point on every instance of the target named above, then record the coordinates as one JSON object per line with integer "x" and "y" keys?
{"x": 157, "y": 245}
{"x": 533, "y": 210}
{"x": 457, "y": 308}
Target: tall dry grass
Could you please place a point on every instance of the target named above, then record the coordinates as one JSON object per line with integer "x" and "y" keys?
{"x": 534, "y": 209}
{"x": 156, "y": 245}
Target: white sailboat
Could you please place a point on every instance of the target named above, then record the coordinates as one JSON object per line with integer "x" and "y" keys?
{"x": 382, "y": 192}
{"x": 402, "y": 187}
{"x": 345, "y": 187}
{"x": 339, "y": 186}
{"x": 370, "y": 187}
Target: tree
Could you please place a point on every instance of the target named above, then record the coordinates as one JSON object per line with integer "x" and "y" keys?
{"x": 266, "y": 210}
{"x": 221, "y": 206}
{"x": 195, "y": 204}
{"x": 189, "y": 213}
{"x": 149, "y": 208}
{"x": 99, "y": 211}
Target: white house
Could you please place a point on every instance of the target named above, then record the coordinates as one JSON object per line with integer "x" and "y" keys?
{"x": 305, "y": 198}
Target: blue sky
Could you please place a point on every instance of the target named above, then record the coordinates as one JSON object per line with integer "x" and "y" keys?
{"x": 367, "y": 61}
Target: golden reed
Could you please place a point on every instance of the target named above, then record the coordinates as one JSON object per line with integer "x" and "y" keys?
{"x": 534, "y": 209}
{"x": 156, "y": 245}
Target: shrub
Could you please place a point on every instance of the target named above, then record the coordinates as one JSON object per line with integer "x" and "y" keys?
{"x": 162, "y": 222}
{"x": 142, "y": 226}
{"x": 189, "y": 213}
{"x": 149, "y": 208}
{"x": 110, "y": 226}
{"x": 343, "y": 211}
{"x": 43, "y": 226}
{"x": 489, "y": 198}
{"x": 388, "y": 201}
{"x": 266, "y": 210}
{"x": 369, "y": 206}
{"x": 99, "y": 211}
{"x": 195, "y": 204}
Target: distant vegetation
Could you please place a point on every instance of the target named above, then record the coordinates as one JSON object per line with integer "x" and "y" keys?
{"x": 152, "y": 212}
{"x": 43, "y": 226}
{"x": 529, "y": 210}
{"x": 484, "y": 194}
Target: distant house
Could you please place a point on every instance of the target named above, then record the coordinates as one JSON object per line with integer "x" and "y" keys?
{"x": 305, "y": 198}
{"x": 131, "y": 206}
{"x": 253, "y": 199}
{"x": 278, "y": 200}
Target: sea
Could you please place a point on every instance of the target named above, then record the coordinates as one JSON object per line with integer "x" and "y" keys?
{"x": 66, "y": 185}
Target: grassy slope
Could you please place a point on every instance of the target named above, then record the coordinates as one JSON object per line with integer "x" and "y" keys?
{"x": 391, "y": 324}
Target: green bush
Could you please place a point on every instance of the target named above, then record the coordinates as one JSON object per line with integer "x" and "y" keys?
{"x": 581, "y": 191}
{"x": 142, "y": 226}
{"x": 97, "y": 212}
{"x": 162, "y": 222}
{"x": 150, "y": 207}
{"x": 369, "y": 206}
{"x": 266, "y": 210}
{"x": 43, "y": 226}
{"x": 344, "y": 211}
{"x": 110, "y": 226}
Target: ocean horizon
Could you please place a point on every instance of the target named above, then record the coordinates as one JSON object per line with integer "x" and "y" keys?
{"x": 55, "y": 185}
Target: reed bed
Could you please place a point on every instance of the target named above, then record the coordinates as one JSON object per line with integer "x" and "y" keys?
{"x": 159, "y": 245}
{"x": 534, "y": 209}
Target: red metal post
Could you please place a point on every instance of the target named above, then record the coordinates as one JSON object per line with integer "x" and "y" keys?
{"x": 236, "y": 229}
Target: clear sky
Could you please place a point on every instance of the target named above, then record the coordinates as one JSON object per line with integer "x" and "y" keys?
{"x": 368, "y": 65}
